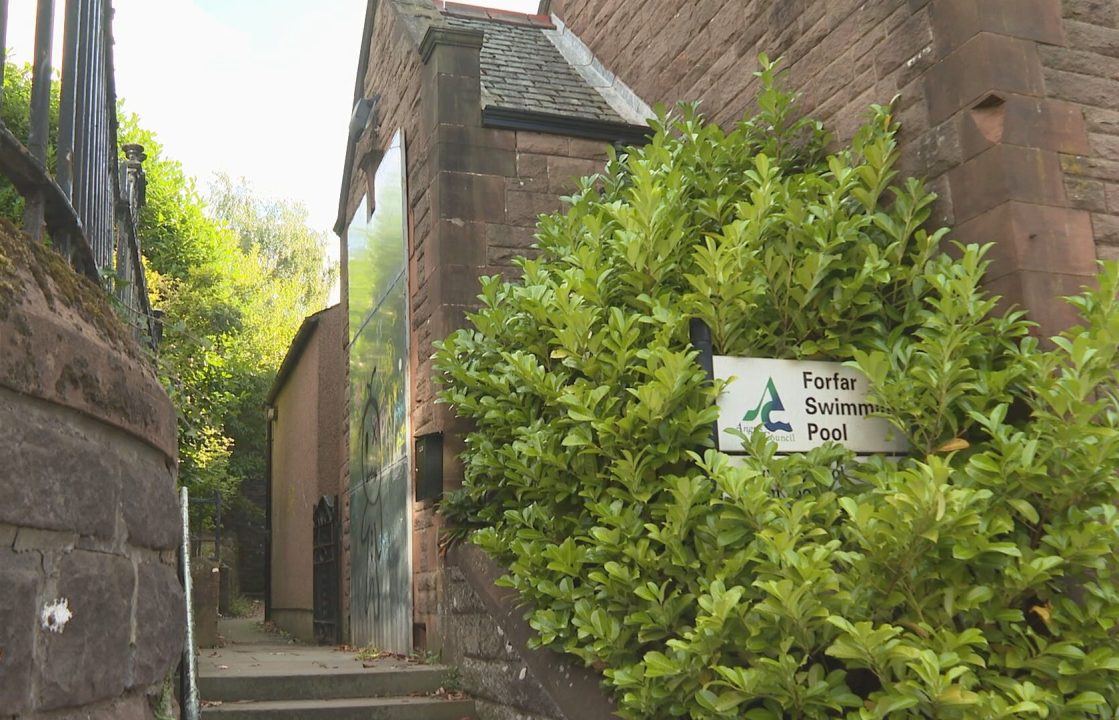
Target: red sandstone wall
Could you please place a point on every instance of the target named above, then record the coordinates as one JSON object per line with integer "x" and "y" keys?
{"x": 474, "y": 196}
{"x": 88, "y": 512}
{"x": 394, "y": 72}
{"x": 1007, "y": 106}
{"x": 842, "y": 55}
{"x": 1085, "y": 72}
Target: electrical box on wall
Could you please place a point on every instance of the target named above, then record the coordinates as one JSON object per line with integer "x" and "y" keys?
{"x": 429, "y": 467}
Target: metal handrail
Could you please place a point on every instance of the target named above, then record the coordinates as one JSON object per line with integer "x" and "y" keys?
{"x": 89, "y": 205}
{"x": 188, "y": 679}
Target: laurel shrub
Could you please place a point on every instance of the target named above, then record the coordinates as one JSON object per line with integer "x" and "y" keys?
{"x": 974, "y": 578}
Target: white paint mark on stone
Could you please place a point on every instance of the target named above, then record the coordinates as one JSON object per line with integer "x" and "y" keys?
{"x": 524, "y": 671}
{"x": 927, "y": 50}
{"x": 55, "y": 615}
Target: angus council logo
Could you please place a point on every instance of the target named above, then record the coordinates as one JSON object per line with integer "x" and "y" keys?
{"x": 770, "y": 402}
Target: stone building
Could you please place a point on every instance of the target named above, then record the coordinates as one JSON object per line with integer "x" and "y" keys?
{"x": 1008, "y": 107}
{"x": 469, "y": 123}
{"x": 305, "y": 408}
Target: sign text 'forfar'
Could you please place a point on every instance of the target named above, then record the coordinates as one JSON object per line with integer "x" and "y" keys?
{"x": 800, "y": 405}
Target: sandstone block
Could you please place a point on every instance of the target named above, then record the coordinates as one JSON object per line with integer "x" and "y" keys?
{"x": 148, "y": 501}
{"x": 56, "y": 475}
{"x": 19, "y": 590}
{"x": 87, "y": 660}
{"x": 160, "y": 623}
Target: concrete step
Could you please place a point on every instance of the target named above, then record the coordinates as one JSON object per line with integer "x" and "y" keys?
{"x": 397, "y": 708}
{"x": 323, "y": 685}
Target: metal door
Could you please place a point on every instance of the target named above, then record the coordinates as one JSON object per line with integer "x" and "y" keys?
{"x": 325, "y": 577}
{"x": 380, "y": 461}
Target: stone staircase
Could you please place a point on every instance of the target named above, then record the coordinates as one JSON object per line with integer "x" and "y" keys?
{"x": 262, "y": 676}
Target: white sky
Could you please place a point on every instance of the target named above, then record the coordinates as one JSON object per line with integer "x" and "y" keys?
{"x": 260, "y": 89}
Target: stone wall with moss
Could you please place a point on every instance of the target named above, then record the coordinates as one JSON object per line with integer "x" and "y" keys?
{"x": 91, "y": 608}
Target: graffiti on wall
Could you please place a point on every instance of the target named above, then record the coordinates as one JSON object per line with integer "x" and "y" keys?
{"x": 380, "y": 511}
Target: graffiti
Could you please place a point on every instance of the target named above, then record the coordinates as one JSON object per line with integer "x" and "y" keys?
{"x": 381, "y": 604}
{"x": 371, "y": 454}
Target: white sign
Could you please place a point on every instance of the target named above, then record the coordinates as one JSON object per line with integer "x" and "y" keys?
{"x": 801, "y": 404}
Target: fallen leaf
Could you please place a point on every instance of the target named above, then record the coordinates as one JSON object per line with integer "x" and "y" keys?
{"x": 953, "y": 445}
{"x": 1042, "y": 611}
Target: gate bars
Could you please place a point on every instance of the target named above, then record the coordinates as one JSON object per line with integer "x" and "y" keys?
{"x": 89, "y": 205}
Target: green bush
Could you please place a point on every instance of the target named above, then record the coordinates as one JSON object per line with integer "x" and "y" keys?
{"x": 973, "y": 579}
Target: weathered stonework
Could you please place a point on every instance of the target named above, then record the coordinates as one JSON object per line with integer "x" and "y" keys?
{"x": 1007, "y": 107}
{"x": 91, "y": 608}
{"x": 474, "y": 195}
{"x": 487, "y": 636}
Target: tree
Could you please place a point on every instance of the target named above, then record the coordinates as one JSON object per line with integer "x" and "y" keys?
{"x": 234, "y": 275}
{"x": 291, "y": 250}
{"x": 975, "y": 578}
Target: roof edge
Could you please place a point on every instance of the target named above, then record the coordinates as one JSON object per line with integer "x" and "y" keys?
{"x": 295, "y": 352}
{"x": 359, "y": 92}
{"x": 590, "y": 129}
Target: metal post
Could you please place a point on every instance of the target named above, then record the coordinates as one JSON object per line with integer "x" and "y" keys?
{"x": 700, "y": 336}
{"x": 188, "y": 695}
{"x": 40, "y": 113}
{"x": 67, "y": 105}
{"x": 82, "y": 92}
{"x": 217, "y": 527}
{"x": 3, "y": 42}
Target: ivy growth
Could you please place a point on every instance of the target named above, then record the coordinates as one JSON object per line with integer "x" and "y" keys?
{"x": 974, "y": 578}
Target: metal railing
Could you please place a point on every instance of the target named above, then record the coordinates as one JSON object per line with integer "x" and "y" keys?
{"x": 188, "y": 668}
{"x": 88, "y": 203}
{"x": 200, "y": 538}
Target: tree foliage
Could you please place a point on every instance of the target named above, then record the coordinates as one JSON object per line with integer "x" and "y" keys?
{"x": 234, "y": 274}
{"x": 974, "y": 578}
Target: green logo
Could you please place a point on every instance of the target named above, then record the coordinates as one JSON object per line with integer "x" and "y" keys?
{"x": 770, "y": 402}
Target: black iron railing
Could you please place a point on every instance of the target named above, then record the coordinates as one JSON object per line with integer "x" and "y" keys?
{"x": 86, "y": 206}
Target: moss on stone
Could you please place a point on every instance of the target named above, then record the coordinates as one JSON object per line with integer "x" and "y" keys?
{"x": 59, "y": 284}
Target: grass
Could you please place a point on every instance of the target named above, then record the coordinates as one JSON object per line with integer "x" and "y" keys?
{"x": 241, "y": 607}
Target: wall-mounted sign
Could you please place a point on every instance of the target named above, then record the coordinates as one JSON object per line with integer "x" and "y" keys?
{"x": 800, "y": 405}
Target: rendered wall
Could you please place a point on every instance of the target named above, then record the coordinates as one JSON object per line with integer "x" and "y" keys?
{"x": 88, "y": 514}
{"x": 306, "y": 437}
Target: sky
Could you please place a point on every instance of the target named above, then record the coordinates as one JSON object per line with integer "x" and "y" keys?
{"x": 260, "y": 89}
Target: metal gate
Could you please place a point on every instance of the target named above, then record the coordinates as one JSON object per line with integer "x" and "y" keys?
{"x": 325, "y": 578}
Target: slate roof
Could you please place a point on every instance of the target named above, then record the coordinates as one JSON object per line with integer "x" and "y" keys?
{"x": 523, "y": 70}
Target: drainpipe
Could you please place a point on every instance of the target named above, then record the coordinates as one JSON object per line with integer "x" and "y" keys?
{"x": 271, "y": 419}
